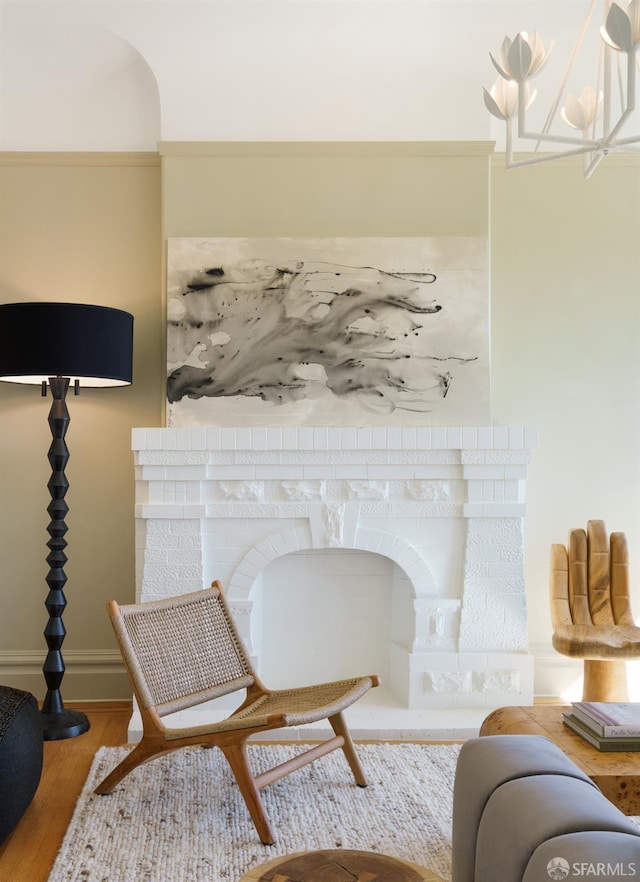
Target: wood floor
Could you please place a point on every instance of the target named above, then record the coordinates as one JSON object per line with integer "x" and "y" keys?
{"x": 28, "y": 853}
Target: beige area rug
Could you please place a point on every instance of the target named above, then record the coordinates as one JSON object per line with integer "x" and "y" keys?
{"x": 180, "y": 818}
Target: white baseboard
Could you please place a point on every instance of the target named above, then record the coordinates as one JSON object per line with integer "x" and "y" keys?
{"x": 99, "y": 675}
{"x": 90, "y": 675}
{"x": 560, "y": 676}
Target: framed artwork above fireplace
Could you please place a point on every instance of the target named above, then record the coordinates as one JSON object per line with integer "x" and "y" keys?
{"x": 328, "y": 332}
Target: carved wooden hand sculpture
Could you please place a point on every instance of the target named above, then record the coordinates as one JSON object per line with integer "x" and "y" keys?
{"x": 591, "y": 609}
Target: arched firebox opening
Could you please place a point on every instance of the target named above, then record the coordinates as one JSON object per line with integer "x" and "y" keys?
{"x": 336, "y": 620}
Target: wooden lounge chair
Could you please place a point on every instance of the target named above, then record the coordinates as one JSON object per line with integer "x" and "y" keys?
{"x": 591, "y": 609}
{"x": 185, "y": 650}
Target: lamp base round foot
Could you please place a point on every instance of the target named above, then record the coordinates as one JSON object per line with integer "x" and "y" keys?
{"x": 67, "y": 724}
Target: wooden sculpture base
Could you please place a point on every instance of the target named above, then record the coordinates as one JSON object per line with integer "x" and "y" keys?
{"x": 339, "y": 865}
{"x": 605, "y": 679}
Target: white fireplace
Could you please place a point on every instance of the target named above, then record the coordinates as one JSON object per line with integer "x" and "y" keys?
{"x": 390, "y": 550}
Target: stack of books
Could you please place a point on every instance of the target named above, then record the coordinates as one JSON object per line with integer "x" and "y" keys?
{"x": 608, "y": 725}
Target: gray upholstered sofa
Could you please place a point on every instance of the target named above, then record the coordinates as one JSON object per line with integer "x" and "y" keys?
{"x": 523, "y": 812}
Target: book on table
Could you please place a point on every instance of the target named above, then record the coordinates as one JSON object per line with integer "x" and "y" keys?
{"x": 609, "y": 718}
{"x": 601, "y": 742}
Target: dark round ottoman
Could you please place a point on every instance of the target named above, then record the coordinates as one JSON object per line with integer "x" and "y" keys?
{"x": 20, "y": 755}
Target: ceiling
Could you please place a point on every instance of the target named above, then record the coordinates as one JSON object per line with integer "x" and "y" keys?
{"x": 124, "y": 74}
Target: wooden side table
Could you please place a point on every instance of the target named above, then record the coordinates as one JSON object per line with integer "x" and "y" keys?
{"x": 339, "y": 865}
{"x": 617, "y": 775}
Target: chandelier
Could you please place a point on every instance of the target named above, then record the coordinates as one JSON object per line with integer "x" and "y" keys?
{"x": 591, "y": 115}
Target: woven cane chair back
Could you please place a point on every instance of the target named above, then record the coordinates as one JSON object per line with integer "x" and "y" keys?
{"x": 182, "y": 651}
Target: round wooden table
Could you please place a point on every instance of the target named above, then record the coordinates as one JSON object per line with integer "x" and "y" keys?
{"x": 339, "y": 865}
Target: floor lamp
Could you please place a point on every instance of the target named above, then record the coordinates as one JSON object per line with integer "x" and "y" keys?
{"x": 58, "y": 345}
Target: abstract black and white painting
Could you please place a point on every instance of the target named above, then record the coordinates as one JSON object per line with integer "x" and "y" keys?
{"x": 328, "y": 332}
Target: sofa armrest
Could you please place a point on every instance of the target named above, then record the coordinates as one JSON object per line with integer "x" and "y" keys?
{"x": 584, "y": 854}
{"x": 518, "y": 800}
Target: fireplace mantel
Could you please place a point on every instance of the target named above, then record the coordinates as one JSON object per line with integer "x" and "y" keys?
{"x": 411, "y": 494}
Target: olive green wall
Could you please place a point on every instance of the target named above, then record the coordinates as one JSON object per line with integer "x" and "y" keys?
{"x": 81, "y": 228}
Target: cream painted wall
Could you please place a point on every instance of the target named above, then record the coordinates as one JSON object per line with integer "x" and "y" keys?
{"x": 82, "y": 228}
{"x": 566, "y": 358}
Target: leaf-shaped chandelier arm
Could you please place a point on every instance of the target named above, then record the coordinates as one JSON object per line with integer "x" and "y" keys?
{"x": 503, "y": 73}
{"x": 617, "y": 31}
{"x": 520, "y": 58}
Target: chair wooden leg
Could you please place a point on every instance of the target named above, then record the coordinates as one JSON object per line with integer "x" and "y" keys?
{"x": 339, "y": 726}
{"x": 605, "y": 680}
{"x": 140, "y": 754}
{"x": 236, "y": 755}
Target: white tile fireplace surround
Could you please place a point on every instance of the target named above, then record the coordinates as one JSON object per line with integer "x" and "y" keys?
{"x": 344, "y": 551}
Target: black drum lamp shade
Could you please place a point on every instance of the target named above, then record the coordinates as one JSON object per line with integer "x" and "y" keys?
{"x": 92, "y": 344}
{"x": 56, "y": 345}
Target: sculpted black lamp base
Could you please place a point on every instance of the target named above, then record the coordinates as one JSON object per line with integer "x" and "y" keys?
{"x": 56, "y": 344}
{"x": 57, "y": 721}
{"x": 65, "y": 724}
